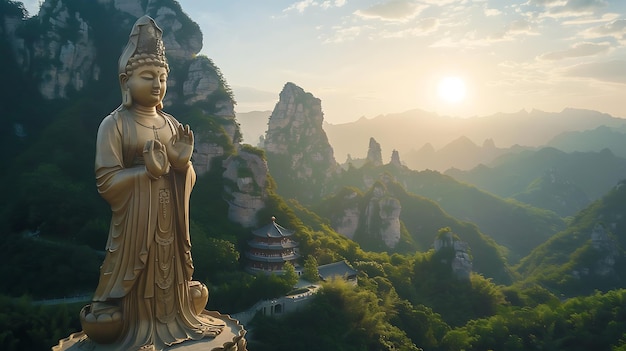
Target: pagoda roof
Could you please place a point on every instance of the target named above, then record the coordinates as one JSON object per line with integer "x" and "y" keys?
{"x": 272, "y": 258}
{"x": 337, "y": 269}
{"x": 273, "y": 230}
{"x": 273, "y": 246}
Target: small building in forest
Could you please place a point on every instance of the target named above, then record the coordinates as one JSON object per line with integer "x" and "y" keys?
{"x": 339, "y": 269}
{"x": 270, "y": 248}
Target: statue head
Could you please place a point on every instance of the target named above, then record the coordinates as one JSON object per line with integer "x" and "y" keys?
{"x": 144, "y": 49}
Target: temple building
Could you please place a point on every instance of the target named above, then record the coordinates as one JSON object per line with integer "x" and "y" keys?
{"x": 339, "y": 269}
{"x": 270, "y": 248}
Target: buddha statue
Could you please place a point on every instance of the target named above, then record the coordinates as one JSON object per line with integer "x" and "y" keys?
{"x": 146, "y": 298}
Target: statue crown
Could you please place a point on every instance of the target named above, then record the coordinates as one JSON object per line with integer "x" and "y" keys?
{"x": 145, "y": 46}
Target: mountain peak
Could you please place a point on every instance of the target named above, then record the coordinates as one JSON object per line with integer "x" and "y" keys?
{"x": 295, "y": 135}
{"x": 374, "y": 153}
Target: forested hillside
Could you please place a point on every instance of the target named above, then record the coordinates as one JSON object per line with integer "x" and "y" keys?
{"x": 514, "y": 225}
{"x": 549, "y": 178}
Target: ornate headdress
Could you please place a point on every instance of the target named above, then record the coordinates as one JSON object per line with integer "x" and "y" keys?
{"x": 145, "y": 46}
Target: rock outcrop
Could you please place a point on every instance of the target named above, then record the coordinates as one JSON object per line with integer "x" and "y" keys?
{"x": 602, "y": 241}
{"x": 461, "y": 261}
{"x": 601, "y": 259}
{"x": 373, "y": 219}
{"x": 346, "y": 221}
{"x": 245, "y": 178}
{"x": 374, "y": 153}
{"x": 609, "y": 253}
{"x": 395, "y": 158}
{"x": 382, "y": 217}
{"x": 299, "y": 155}
{"x": 64, "y": 58}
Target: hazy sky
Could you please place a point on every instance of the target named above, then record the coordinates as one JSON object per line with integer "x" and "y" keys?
{"x": 370, "y": 57}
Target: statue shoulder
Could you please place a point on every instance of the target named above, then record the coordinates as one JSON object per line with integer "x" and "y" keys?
{"x": 169, "y": 117}
{"x": 112, "y": 120}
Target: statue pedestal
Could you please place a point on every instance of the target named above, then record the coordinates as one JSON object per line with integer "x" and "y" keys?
{"x": 230, "y": 339}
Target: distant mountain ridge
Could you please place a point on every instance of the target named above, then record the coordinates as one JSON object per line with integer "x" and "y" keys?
{"x": 592, "y": 140}
{"x": 409, "y": 132}
{"x": 549, "y": 178}
{"x": 460, "y": 153}
{"x": 425, "y": 140}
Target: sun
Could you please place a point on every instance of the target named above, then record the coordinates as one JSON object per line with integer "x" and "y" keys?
{"x": 451, "y": 90}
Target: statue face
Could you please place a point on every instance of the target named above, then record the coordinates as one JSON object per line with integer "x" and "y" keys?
{"x": 147, "y": 85}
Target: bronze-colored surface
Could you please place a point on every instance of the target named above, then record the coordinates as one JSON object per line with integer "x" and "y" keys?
{"x": 146, "y": 298}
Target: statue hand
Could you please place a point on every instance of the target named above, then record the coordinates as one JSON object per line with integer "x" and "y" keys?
{"x": 155, "y": 158}
{"x": 180, "y": 147}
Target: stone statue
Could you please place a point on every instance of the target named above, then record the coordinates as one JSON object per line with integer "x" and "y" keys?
{"x": 145, "y": 298}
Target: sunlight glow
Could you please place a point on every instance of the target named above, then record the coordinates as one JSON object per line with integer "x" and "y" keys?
{"x": 451, "y": 90}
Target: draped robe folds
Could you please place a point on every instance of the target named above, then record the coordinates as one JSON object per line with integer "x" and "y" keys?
{"x": 153, "y": 313}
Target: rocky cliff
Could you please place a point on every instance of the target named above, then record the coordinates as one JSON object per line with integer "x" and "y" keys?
{"x": 607, "y": 254}
{"x": 346, "y": 215}
{"x": 374, "y": 153}
{"x": 373, "y": 219}
{"x": 72, "y": 47}
{"x": 395, "y": 159}
{"x": 382, "y": 217}
{"x": 588, "y": 254}
{"x": 458, "y": 254}
{"x": 299, "y": 155}
{"x": 245, "y": 178}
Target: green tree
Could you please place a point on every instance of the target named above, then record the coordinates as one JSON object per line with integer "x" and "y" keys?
{"x": 28, "y": 326}
{"x": 310, "y": 272}
{"x": 343, "y": 318}
{"x": 289, "y": 274}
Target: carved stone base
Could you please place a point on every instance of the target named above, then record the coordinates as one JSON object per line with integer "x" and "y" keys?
{"x": 230, "y": 339}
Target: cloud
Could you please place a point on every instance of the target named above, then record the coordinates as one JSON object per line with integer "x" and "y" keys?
{"x": 444, "y": 2}
{"x": 584, "y": 20}
{"x": 344, "y": 34}
{"x": 611, "y": 71}
{"x": 544, "y": 2}
{"x": 492, "y": 12}
{"x": 328, "y": 4}
{"x": 577, "y": 50}
{"x": 299, "y": 6}
{"x": 514, "y": 29}
{"x": 568, "y": 8}
{"x": 421, "y": 28}
{"x": 615, "y": 29}
{"x": 519, "y": 26}
{"x": 394, "y": 10}
{"x": 303, "y": 5}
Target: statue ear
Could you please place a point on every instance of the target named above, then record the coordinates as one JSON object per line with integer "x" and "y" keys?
{"x": 127, "y": 99}
{"x": 124, "y": 80}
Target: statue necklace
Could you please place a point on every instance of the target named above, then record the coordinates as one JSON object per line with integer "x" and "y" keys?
{"x": 153, "y": 127}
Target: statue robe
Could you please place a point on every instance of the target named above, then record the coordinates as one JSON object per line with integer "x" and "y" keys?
{"x": 155, "y": 300}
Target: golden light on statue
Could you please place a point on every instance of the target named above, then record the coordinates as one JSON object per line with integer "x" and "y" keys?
{"x": 103, "y": 329}
{"x": 146, "y": 298}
